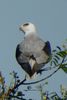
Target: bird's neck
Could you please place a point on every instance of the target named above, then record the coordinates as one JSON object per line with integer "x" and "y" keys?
{"x": 28, "y": 33}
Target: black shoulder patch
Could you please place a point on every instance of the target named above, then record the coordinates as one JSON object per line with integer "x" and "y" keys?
{"x": 18, "y": 52}
{"x": 47, "y": 48}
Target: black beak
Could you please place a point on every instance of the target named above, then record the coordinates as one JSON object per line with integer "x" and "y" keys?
{"x": 21, "y": 29}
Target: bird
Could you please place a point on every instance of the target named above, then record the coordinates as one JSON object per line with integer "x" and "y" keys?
{"x": 32, "y": 53}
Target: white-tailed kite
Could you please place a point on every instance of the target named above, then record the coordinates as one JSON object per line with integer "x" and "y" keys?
{"x": 32, "y": 53}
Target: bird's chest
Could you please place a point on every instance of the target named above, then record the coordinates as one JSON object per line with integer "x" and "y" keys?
{"x": 30, "y": 45}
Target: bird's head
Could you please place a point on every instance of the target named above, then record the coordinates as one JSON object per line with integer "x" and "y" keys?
{"x": 28, "y": 28}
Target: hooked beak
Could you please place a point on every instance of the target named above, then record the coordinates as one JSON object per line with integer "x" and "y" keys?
{"x": 20, "y": 28}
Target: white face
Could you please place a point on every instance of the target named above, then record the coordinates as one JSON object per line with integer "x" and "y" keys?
{"x": 28, "y": 28}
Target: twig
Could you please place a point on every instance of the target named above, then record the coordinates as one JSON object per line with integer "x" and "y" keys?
{"x": 15, "y": 87}
{"x": 46, "y": 69}
{"x": 42, "y": 79}
{"x": 22, "y": 82}
{"x": 20, "y": 98}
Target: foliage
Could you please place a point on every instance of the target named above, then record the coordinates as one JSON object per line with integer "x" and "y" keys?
{"x": 57, "y": 55}
{"x": 8, "y": 93}
{"x": 63, "y": 92}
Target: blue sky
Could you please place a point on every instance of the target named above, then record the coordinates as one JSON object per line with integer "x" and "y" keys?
{"x": 50, "y": 18}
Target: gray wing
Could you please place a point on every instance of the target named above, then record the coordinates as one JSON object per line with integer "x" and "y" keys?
{"x": 23, "y": 60}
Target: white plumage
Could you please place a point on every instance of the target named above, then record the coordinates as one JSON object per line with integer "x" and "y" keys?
{"x": 32, "y": 53}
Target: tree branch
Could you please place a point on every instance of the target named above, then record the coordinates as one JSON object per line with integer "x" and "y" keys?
{"x": 20, "y": 98}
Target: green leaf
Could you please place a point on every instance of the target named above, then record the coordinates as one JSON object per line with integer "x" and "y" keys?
{"x": 20, "y": 93}
{"x": 62, "y": 53}
{"x": 46, "y": 82}
{"x": 53, "y": 50}
{"x": 51, "y": 63}
{"x": 55, "y": 60}
{"x": 64, "y": 65}
{"x": 58, "y": 58}
{"x": 54, "y": 63}
{"x": 59, "y": 48}
{"x": 64, "y": 69}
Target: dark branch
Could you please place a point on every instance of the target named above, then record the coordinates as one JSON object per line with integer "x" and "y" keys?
{"x": 48, "y": 68}
{"x": 15, "y": 87}
{"x": 20, "y": 98}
